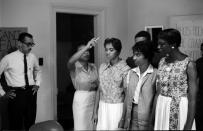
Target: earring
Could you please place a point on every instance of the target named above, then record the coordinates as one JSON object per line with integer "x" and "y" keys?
{"x": 172, "y": 47}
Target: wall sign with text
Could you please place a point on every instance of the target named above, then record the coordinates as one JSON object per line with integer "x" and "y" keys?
{"x": 9, "y": 39}
{"x": 191, "y": 29}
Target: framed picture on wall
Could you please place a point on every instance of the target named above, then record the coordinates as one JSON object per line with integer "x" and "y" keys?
{"x": 9, "y": 39}
{"x": 154, "y": 31}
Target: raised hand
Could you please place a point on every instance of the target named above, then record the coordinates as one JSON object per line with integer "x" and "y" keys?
{"x": 92, "y": 42}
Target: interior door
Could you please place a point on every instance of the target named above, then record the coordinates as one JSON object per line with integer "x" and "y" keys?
{"x": 71, "y": 29}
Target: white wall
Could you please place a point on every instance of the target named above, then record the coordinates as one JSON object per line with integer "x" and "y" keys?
{"x": 157, "y": 12}
{"x": 36, "y": 15}
{"x": 0, "y": 12}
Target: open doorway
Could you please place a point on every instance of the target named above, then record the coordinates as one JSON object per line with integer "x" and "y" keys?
{"x": 71, "y": 30}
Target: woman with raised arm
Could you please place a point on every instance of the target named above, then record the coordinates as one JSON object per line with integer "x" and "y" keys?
{"x": 85, "y": 80}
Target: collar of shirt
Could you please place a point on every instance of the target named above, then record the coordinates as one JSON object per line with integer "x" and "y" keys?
{"x": 21, "y": 53}
{"x": 149, "y": 70}
{"x": 108, "y": 65}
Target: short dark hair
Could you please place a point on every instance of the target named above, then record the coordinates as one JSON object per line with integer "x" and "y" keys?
{"x": 144, "y": 34}
{"x": 172, "y": 36}
{"x": 116, "y": 43}
{"x": 22, "y": 36}
{"x": 146, "y": 48}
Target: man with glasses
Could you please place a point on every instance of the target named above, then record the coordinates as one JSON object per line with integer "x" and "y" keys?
{"x": 22, "y": 74}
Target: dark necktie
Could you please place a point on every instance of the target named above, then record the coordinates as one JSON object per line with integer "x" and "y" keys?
{"x": 25, "y": 71}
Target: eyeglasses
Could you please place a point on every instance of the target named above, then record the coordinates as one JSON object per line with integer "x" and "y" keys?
{"x": 29, "y": 44}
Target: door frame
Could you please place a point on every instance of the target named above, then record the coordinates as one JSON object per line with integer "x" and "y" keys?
{"x": 99, "y": 30}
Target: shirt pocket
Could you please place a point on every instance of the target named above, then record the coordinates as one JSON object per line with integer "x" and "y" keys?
{"x": 16, "y": 68}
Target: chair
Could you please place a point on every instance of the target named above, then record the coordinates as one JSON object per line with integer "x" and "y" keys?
{"x": 50, "y": 125}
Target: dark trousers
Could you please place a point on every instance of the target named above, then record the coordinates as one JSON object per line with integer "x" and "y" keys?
{"x": 22, "y": 109}
{"x": 4, "y": 123}
{"x": 199, "y": 116}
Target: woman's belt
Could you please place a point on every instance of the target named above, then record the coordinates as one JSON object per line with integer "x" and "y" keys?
{"x": 91, "y": 89}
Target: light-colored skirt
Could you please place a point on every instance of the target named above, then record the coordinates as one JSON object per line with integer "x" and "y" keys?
{"x": 109, "y": 115}
{"x": 163, "y": 113}
{"x": 83, "y": 105}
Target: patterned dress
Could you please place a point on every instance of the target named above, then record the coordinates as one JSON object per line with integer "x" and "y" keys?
{"x": 112, "y": 94}
{"x": 172, "y": 103}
